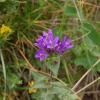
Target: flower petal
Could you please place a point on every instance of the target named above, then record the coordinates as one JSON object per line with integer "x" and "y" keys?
{"x": 41, "y": 55}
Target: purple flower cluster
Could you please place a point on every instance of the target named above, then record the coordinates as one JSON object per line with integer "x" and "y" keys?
{"x": 48, "y": 43}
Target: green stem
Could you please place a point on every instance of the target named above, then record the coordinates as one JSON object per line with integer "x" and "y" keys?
{"x": 67, "y": 72}
{"x": 4, "y": 72}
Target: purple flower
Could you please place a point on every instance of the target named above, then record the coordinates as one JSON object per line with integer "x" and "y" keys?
{"x": 41, "y": 55}
{"x": 47, "y": 34}
{"x": 47, "y": 40}
{"x": 48, "y": 43}
{"x": 39, "y": 42}
{"x": 69, "y": 44}
{"x": 64, "y": 45}
{"x": 42, "y": 41}
{"x": 52, "y": 43}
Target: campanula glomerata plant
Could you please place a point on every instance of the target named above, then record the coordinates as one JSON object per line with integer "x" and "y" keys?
{"x": 48, "y": 44}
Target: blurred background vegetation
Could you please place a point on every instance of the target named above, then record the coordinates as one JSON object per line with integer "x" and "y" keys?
{"x": 20, "y": 71}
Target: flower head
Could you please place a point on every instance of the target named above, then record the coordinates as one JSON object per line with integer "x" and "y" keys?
{"x": 5, "y": 29}
{"x": 48, "y": 43}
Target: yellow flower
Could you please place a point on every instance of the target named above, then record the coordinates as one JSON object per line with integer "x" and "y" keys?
{"x": 31, "y": 90}
{"x": 31, "y": 83}
{"x": 4, "y": 30}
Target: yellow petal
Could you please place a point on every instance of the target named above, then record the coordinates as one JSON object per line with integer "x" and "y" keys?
{"x": 5, "y": 29}
{"x": 31, "y": 83}
{"x": 32, "y": 90}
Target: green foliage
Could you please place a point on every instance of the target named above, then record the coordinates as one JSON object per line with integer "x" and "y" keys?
{"x": 93, "y": 34}
{"x": 12, "y": 80}
{"x": 2, "y": 0}
{"x": 48, "y": 90}
{"x": 70, "y": 11}
{"x": 28, "y": 19}
{"x": 84, "y": 61}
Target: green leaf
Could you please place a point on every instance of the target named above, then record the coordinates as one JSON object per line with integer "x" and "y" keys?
{"x": 40, "y": 80}
{"x": 61, "y": 92}
{"x": 2, "y": 0}
{"x": 92, "y": 47}
{"x": 70, "y": 11}
{"x": 93, "y": 34}
{"x": 46, "y": 96}
{"x": 53, "y": 64}
{"x": 38, "y": 77}
{"x": 84, "y": 61}
{"x": 55, "y": 91}
{"x": 12, "y": 80}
